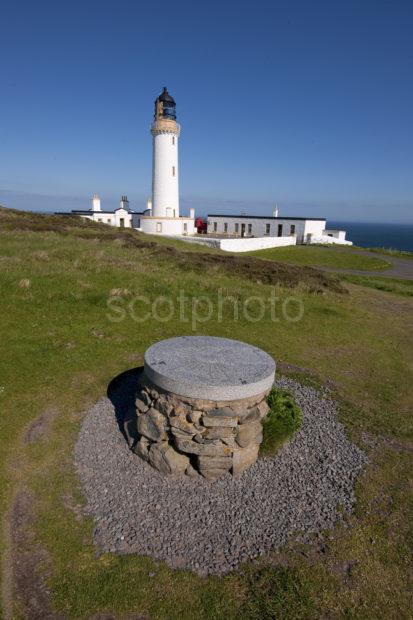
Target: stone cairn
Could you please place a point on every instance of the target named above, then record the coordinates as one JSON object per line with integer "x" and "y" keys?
{"x": 180, "y": 434}
{"x": 184, "y": 436}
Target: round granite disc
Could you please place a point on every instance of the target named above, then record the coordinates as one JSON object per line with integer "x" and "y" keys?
{"x": 209, "y": 368}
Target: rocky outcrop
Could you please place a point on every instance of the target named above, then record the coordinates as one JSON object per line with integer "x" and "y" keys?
{"x": 179, "y": 435}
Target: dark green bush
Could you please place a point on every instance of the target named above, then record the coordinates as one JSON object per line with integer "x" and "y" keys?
{"x": 282, "y": 421}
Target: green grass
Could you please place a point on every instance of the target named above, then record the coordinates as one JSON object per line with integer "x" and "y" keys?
{"x": 60, "y": 349}
{"x": 389, "y": 252}
{"x": 283, "y": 420}
{"x": 278, "y": 593}
{"x": 390, "y": 285}
{"x": 315, "y": 256}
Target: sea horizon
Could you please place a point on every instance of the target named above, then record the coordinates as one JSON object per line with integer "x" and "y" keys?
{"x": 377, "y": 235}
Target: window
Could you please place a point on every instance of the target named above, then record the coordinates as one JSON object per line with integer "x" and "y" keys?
{"x": 280, "y": 230}
{"x": 249, "y": 229}
{"x": 173, "y": 171}
{"x": 236, "y": 229}
{"x": 99, "y": 219}
{"x": 292, "y": 229}
{"x": 158, "y": 227}
{"x": 225, "y": 227}
{"x": 267, "y": 229}
{"x": 109, "y": 220}
{"x": 173, "y": 139}
{"x": 215, "y": 226}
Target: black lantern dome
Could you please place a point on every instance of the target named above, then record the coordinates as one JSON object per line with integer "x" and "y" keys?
{"x": 168, "y": 105}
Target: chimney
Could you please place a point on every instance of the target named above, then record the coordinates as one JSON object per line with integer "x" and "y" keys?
{"x": 124, "y": 203}
{"x": 95, "y": 203}
{"x": 275, "y": 212}
{"x": 192, "y": 214}
{"x": 149, "y": 205}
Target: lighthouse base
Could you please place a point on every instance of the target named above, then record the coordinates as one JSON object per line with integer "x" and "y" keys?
{"x": 153, "y": 225}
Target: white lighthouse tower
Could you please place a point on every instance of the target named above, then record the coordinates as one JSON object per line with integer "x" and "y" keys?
{"x": 164, "y": 218}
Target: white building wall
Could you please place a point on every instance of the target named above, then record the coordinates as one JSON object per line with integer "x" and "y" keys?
{"x": 113, "y": 219}
{"x": 123, "y": 218}
{"x": 245, "y": 244}
{"x": 337, "y": 234}
{"x": 166, "y": 226}
{"x": 258, "y": 243}
{"x": 313, "y": 228}
{"x": 165, "y": 187}
{"x": 105, "y": 218}
{"x": 257, "y": 227}
{"x": 325, "y": 239}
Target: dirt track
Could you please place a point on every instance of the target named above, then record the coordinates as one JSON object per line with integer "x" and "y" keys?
{"x": 401, "y": 267}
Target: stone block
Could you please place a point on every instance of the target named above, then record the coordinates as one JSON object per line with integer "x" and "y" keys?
{"x": 229, "y": 441}
{"x": 201, "y": 439}
{"x": 209, "y": 421}
{"x": 180, "y": 410}
{"x": 194, "y": 416}
{"x": 141, "y": 406}
{"x": 142, "y": 448}
{"x": 164, "y": 406}
{"x": 182, "y": 425}
{"x": 247, "y": 433}
{"x": 223, "y": 412}
{"x": 152, "y": 425}
{"x": 250, "y": 415}
{"x": 244, "y": 458}
{"x": 191, "y": 447}
{"x": 191, "y": 471}
{"x": 164, "y": 458}
{"x": 218, "y": 432}
{"x": 263, "y": 408}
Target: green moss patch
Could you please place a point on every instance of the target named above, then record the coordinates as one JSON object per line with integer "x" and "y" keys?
{"x": 283, "y": 420}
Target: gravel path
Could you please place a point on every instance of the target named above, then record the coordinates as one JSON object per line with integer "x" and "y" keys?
{"x": 212, "y": 527}
{"x": 400, "y": 267}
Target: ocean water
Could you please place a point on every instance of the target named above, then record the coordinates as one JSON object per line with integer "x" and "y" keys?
{"x": 390, "y": 236}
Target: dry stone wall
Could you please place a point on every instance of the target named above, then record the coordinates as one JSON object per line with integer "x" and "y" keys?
{"x": 180, "y": 435}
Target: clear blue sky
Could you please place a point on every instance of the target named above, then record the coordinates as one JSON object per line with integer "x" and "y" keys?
{"x": 308, "y": 104}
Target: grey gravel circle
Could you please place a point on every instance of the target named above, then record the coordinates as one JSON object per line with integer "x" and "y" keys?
{"x": 211, "y": 528}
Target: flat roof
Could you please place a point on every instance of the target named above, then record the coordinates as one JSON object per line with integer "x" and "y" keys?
{"x": 89, "y": 212}
{"x": 268, "y": 217}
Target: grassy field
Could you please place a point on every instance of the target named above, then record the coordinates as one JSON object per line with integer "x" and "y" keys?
{"x": 391, "y": 285}
{"x": 331, "y": 257}
{"x": 389, "y": 252}
{"x": 61, "y": 345}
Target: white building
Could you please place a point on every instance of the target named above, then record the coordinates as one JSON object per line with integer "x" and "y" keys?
{"x": 164, "y": 219}
{"x": 123, "y": 216}
{"x": 300, "y": 230}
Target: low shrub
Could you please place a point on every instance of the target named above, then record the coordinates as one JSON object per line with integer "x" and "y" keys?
{"x": 283, "y": 420}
